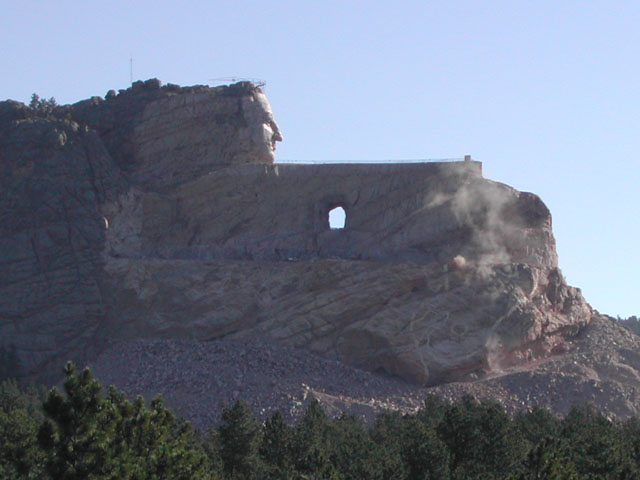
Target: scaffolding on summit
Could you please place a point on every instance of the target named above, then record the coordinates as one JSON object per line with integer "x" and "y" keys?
{"x": 258, "y": 82}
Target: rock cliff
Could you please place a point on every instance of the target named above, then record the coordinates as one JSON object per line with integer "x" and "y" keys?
{"x": 158, "y": 212}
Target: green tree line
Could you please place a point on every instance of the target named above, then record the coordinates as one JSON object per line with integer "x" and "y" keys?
{"x": 86, "y": 433}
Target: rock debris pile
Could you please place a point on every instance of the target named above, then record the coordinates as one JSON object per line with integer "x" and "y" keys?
{"x": 198, "y": 378}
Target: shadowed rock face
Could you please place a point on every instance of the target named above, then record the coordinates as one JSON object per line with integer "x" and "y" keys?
{"x": 54, "y": 175}
{"x": 159, "y": 213}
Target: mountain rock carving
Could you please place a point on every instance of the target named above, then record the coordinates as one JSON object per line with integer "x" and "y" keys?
{"x": 159, "y": 213}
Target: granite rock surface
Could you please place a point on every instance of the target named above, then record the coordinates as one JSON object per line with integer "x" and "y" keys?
{"x": 159, "y": 213}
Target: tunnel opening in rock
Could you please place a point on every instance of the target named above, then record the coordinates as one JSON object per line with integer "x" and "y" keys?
{"x": 337, "y": 218}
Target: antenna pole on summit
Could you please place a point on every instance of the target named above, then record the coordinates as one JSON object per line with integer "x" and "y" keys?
{"x": 131, "y": 69}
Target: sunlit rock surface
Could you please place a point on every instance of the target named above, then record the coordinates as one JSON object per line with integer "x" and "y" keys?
{"x": 159, "y": 212}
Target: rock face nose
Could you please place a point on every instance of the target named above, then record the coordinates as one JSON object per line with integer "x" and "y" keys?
{"x": 159, "y": 212}
{"x": 161, "y": 136}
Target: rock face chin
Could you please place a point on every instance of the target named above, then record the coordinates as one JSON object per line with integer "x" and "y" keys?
{"x": 158, "y": 212}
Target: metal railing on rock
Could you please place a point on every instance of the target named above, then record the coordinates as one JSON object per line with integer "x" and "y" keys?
{"x": 376, "y": 161}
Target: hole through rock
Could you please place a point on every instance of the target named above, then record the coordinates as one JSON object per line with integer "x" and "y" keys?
{"x": 337, "y": 218}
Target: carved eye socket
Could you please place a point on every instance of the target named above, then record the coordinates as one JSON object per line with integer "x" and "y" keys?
{"x": 337, "y": 218}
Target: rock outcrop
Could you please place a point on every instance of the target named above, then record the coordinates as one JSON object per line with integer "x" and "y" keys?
{"x": 159, "y": 213}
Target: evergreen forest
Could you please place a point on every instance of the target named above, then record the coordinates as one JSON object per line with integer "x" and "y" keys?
{"x": 86, "y": 432}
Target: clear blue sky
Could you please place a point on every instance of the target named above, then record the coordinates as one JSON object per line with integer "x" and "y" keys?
{"x": 546, "y": 94}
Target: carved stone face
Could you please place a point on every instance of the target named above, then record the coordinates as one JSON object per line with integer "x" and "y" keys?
{"x": 263, "y": 129}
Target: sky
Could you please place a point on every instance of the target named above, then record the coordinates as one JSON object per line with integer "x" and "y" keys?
{"x": 546, "y": 94}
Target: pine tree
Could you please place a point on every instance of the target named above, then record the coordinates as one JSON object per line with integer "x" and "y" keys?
{"x": 276, "y": 447}
{"x": 388, "y": 436}
{"x": 481, "y": 439}
{"x": 425, "y": 455}
{"x": 20, "y": 456}
{"x": 536, "y": 425}
{"x": 596, "y": 445}
{"x": 91, "y": 437}
{"x": 78, "y": 431}
{"x": 353, "y": 454}
{"x": 312, "y": 443}
{"x": 239, "y": 442}
{"x": 548, "y": 461}
{"x": 42, "y": 106}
